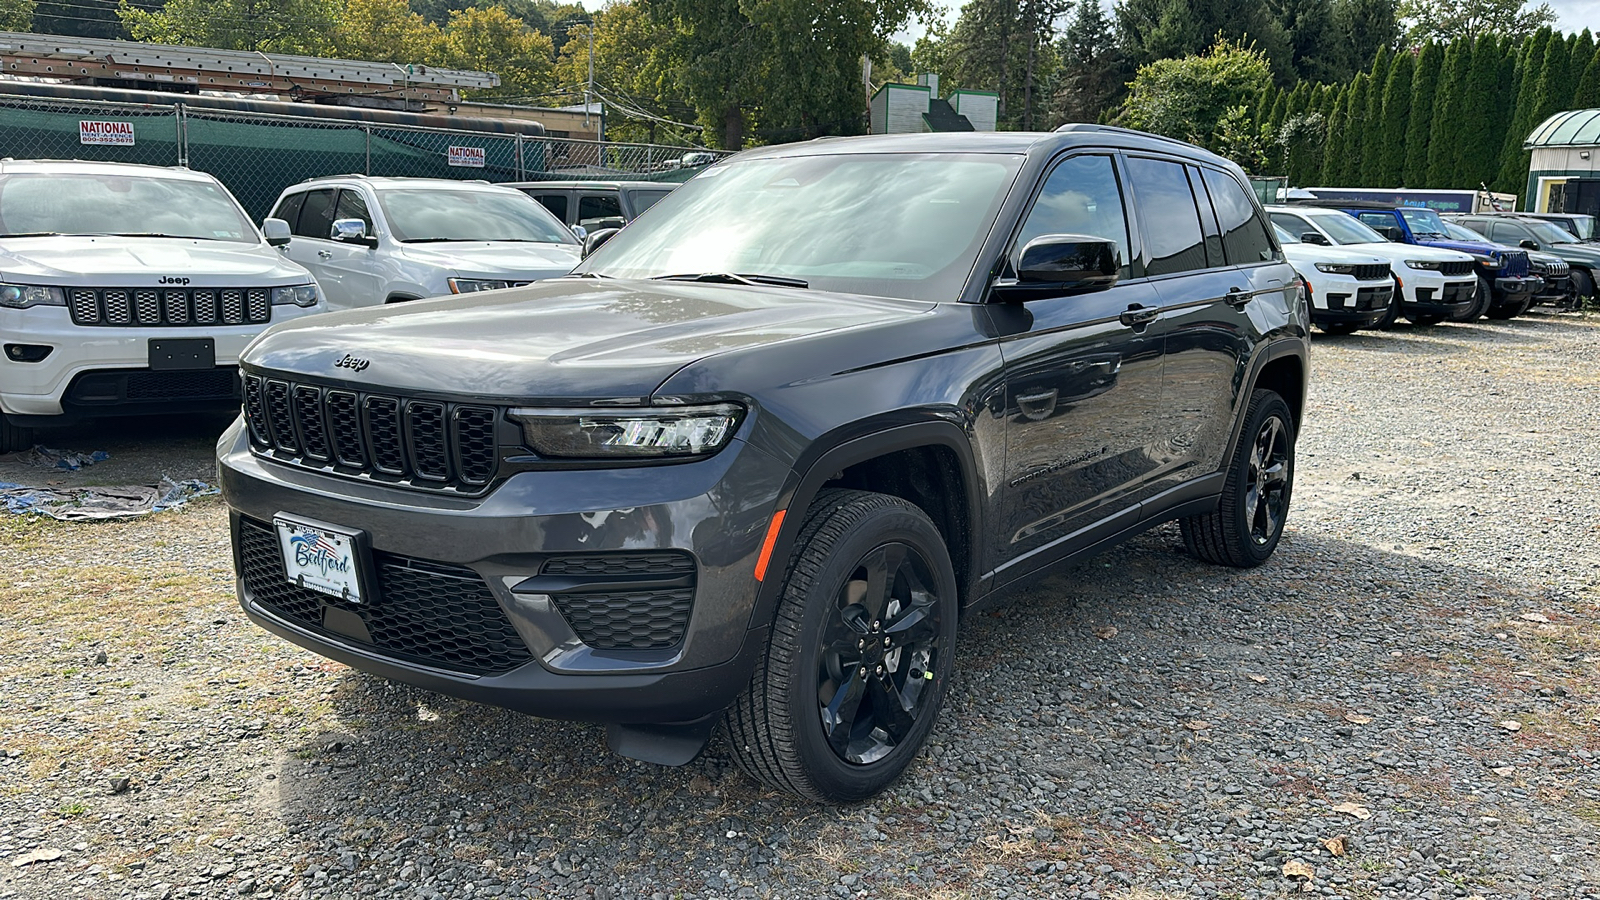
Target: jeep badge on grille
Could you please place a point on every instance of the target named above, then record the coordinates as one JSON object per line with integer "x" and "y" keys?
{"x": 353, "y": 363}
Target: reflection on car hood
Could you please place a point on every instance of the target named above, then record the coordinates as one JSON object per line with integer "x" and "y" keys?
{"x": 504, "y": 259}
{"x": 1393, "y": 251}
{"x": 1309, "y": 254}
{"x": 133, "y": 262}
{"x": 564, "y": 340}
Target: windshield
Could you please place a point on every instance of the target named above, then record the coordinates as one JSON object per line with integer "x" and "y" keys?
{"x": 56, "y": 203}
{"x": 891, "y": 224}
{"x": 1284, "y": 237}
{"x": 1343, "y": 229}
{"x": 1423, "y": 222}
{"x": 1462, "y": 233}
{"x": 1582, "y": 226}
{"x": 430, "y": 215}
{"x": 1551, "y": 233}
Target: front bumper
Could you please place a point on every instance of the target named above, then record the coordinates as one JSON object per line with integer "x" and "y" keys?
{"x": 87, "y": 369}
{"x": 1513, "y": 290}
{"x": 1342, "y": 299}
{"x": 1430, "y": 294}
{"x": 715, "y": 510}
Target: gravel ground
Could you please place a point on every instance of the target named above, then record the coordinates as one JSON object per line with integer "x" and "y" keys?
{"x": 1403, "y": 703}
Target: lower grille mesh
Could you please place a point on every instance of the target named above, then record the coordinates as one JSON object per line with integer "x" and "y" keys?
{"x": 424, "y": 612}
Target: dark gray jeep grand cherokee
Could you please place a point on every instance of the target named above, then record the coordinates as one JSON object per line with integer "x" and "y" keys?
{"x": 754, "y": 460}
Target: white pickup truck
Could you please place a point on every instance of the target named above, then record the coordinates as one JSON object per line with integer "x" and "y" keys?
{"x": 129, "y": 289}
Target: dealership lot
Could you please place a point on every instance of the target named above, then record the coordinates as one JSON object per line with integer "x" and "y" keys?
{"x": 1414, "y": 672}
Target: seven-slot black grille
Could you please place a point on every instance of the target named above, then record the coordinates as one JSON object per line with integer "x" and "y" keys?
{"x": 639, "y": 617}
{"x": 420, "y": 443}
{"x": 1372, "y": 272}
{"x": 1456, "y": 268}
{"x": 418, "y": 611}
{"x": 134, "y": 307}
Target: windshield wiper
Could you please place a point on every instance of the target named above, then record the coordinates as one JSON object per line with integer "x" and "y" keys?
{"x": 436, "y": 240}
{"x": 735, "y": 278}
{"x": 157, "y": 234}
{"x": 32, "y": 234}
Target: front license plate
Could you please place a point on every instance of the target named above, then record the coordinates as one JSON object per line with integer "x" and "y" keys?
{"x": 320, "y": 559}
{"x": 168, "y": 354}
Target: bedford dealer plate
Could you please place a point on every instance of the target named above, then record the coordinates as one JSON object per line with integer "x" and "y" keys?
{"x": 319, "y": 558}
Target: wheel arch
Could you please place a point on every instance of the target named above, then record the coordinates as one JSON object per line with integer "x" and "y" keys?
{"x": 929, "y": 464}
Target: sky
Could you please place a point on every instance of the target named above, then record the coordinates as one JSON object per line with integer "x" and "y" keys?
{"x": 1575, "y": 15}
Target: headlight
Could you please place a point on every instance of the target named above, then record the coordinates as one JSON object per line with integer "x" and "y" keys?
{"x": 1492, "y": 260}
{"x": 304, "y": 295}
{"x": 471, "y": 285}
{"x": 22, "y": 296}
{"x": 629, "y": 433}
{"x": 1336, "y": 268}
{"x": 1430, "y": 264}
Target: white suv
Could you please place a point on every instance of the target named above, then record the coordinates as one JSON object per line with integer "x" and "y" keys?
{"x": 1348, "y": 290}
{"x": 1435, "y": 283}
{"x": 128, "y": 289}
{"x": 372, "y": 241}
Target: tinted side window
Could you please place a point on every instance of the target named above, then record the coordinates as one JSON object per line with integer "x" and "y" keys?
{"x": 316, "y": 216}
{"x": 1378, "y": 221}
{"x": 353, "y": 206}
{"x": 643, "y": 200}
{"x": 1508, "y": 233}
{"x": 1292, "y": 224}
{"x": 1208, "y": 220}
{"x": 1080, "y": 196}
{"x": 594, "y": 207}
{"x": 556, "y": 203}
{"x": 289, "y": 209}
{"x": 1244, "y": 237}
{"x": 1171, "y": 220}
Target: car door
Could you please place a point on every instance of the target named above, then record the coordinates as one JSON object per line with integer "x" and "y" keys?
{"x": 1512, "y": 234}
{"x": 559, "y": 203}
{"x": 312, "y": 221}
{"x": 356, "y": 273}
{"x": 1214, "y": 318}
{"x": 1083, "y": 378}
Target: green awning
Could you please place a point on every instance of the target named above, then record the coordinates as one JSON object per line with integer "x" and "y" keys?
{"x": 1573, "y": 128}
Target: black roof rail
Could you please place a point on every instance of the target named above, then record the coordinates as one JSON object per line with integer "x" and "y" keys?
{"x": 1071, "y": 127}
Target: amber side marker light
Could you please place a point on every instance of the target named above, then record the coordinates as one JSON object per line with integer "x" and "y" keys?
{"x": 768, "y": 544}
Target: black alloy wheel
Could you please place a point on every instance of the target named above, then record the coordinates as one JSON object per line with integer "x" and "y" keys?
{"x": 878, "y": 654}
{"x": 1266, "y": 496}
{"x": 1248, "y": 522}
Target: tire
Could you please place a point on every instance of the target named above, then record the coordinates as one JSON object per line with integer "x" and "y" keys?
{"x": 1393, "y": 315}
{"x": 1340, "y": 327}
{"x": 777, "y": 728}
{"x": 14, "y": 437}
{"x": 1582, "y": 287}
{"x": 1482, "y": 299}
{"x": 1425, "y": 321}
{"x": 1510, "y": 310}
{"x": 1246, "y": 526}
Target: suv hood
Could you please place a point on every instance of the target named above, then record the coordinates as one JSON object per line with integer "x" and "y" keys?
{"x": 564, "y": 341}
{"x": 84, "y": 261}
{"x": 510, "y": 260}
{"x": 1315, "y": 253}
{"x": 1588, "y": 254}
{"x": 1478, "y": 248}
{"x": 1398, "y": 252}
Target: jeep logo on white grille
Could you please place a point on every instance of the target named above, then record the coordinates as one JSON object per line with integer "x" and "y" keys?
{"x": 171, "y": 279}
{"x": 353, "y": 363}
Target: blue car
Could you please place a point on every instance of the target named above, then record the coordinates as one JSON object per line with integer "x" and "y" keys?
{"x": 1506, "y": 284}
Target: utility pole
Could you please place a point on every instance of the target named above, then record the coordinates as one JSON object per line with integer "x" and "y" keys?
{"x": 588, "y": 87}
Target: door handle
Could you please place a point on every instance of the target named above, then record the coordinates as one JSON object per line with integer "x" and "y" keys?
{"x": 325, "y": 254}
{"x": 1238, "y": 296}
{"x": 1137, "y": 316}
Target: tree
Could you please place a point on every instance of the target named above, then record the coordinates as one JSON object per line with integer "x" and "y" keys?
{"x": 1424, "y": 90}
{"x": 1449, "y": 117}
{"x": 1513, "y": 159}
{"x": 1299, "y": 140}
{"x": 385, "y": 31}
{"x": 1347, "y": 156}
{"x": 280, "y": 26}
{"x": 1187, "y": 98}
{"x": 1582, "y": 56}
{"x": 632, "y": 73}
{"x": 1482, "y": 121}
{"x": 1448, "y": 20}
{"x": 1333, "y": 147}
{"x": 1372, "y": 136}
{"x": 1094, "y": 71}
{"x": 492, "y": 40}
{"x": 1396, "y": 122}
{"x": 1151, "y": 30}
{"x": 16, "y": 15}
{"x": 1587, "y": 95}
{"x": 1006, "y": 46}
{"x": 1316, "y": 47}
{"x": 1365, "y": 26}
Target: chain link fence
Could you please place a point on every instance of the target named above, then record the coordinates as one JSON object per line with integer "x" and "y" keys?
{"x": 257, "y": 155}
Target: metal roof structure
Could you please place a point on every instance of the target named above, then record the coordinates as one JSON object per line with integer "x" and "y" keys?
{"x": 1573, "y": 128}
{"x": 166, "y": 67}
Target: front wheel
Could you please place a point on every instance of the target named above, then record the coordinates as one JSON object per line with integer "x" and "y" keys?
{"x": 1510, "y": 310}
{"x": 861, "y": 652}
{"x": 1582, "y": 287}
{"x": 1248, "y": 521}
{"x": 1481, "y": 301}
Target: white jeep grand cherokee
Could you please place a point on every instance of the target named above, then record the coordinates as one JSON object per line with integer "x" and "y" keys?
{"x": 129, "y": 289}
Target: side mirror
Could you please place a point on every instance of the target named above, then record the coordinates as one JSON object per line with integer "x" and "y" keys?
{"x": 580, "y": 232}
{"x": 596, "y": 238}
{"x": 1394, "y": 233}
{"x": 1057, "y": 264}
{"x": 1314, "y": 237}
{"x": 1529, "y": 244}
{"x": 276, "y": 231}
{"x": 352, "y": 231}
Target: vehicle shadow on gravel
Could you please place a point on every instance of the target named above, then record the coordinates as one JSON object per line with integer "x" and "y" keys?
{"x": 143, "y": 450}
{"x": 1092, "y": 713}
